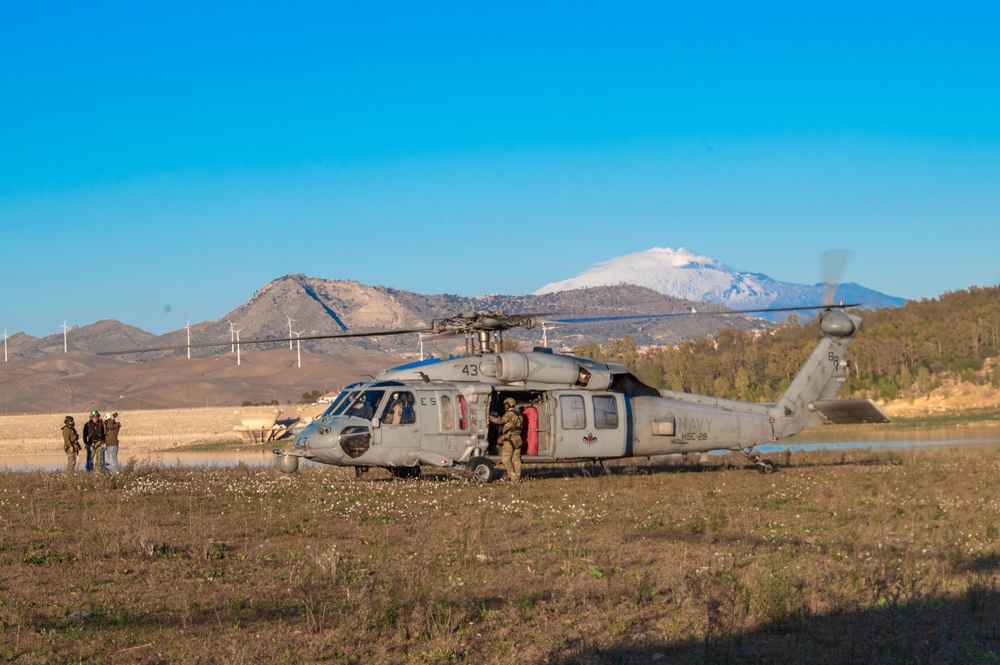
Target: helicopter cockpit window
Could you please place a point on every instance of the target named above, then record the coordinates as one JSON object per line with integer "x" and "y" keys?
{"x": 605, "y": 412}
{"x": 447, "y": 413}
{"x": 572, "y": 412}
{"x": 365, "y": 403}
{"x": 399, "y": 409}
{"x": 355, "y": 441}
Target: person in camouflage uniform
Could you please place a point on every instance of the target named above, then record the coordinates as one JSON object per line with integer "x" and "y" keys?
{"x": 509, "y": 439}
{"x": 71, "y": 443}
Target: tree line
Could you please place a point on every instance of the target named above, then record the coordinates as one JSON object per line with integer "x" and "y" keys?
{"x": 902, "y": 349}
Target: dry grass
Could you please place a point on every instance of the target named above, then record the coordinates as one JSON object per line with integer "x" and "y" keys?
{"x": 840, "y": 557}
{"x": 142, "y": 432}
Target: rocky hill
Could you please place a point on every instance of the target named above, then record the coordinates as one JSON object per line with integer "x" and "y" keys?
{"x": 40, "y": 377}
{"x": 311, "y": 306}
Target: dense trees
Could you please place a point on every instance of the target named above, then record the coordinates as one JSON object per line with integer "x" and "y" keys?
{"x": 903, "y": 349}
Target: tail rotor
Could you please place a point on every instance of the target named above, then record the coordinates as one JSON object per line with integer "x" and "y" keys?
{"x": 833, "y": 264}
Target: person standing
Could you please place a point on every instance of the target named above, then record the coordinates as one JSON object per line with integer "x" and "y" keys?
{"x": 509, "y": 439}
{"x": 111, "y": 427}
{"x": 93, "y": 439}
{"x": 71, "y": 443}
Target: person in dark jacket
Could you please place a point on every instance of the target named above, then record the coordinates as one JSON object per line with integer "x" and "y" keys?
{"x": 93, "y": 439}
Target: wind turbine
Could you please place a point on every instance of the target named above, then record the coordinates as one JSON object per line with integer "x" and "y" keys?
{"x": 298, "y": 345}
{"x": 5, "y": 345}
{"x": 237, "y": 345}
{"x": 188, "y": 327}
{"x": 545, "y": 328}
{"x": 290, "y": 333}
{"x": 232, "y": 336}
{"x": 64, "y": 329}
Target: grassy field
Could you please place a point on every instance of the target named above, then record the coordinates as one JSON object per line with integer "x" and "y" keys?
{"x": 839, "y": 557}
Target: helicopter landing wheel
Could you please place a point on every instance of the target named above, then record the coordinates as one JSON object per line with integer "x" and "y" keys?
{"x": 360, "y": 471}
{"x": 763, "y": 465}
{"x": 482, "y": 470}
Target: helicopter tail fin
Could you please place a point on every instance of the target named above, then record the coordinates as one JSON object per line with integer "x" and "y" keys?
{"x": 814, "y": 388}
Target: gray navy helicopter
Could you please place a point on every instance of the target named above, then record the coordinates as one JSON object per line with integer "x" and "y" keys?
{"x": 436, "y": 412}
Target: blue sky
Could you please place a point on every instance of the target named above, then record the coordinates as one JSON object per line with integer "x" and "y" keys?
{"x": 164, "y": 162}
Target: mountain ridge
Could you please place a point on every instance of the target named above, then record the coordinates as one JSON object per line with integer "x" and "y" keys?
{"x": 43, "y": 374}
{"x": 684, "y": 274}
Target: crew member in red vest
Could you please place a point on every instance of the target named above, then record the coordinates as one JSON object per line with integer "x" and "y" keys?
{"x": 530, "y": 415}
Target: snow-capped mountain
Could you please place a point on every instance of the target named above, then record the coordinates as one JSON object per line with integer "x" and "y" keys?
{"x": 684, "y": 274}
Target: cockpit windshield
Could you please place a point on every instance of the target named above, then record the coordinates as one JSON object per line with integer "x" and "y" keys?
{"x": 340, "y": 403}
{"x": 356, "y": 402}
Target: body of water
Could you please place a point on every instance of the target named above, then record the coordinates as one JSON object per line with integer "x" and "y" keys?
{"x": 876, "y": 437}
{"x": 57, "y": 462}
{"x": 818, "y": 439}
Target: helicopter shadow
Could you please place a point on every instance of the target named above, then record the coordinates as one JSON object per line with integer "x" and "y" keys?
{"x": 655, "y": 466}
{"x": 714, "y": 464}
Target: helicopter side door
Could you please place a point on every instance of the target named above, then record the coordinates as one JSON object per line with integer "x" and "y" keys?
{"x": 445, "y": 421}
{"x": 590, "y": 425}
{"x": 455, "y": 422}
{"x": 397, "y": 422}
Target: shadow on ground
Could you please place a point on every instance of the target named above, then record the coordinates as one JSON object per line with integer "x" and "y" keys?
{"x": 934, "y": 630}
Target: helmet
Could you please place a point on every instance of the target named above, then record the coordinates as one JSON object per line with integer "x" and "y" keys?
{"x": 509, "y": 402}
{"x": 69, "y": 419}
{"x": 94, "y": 413}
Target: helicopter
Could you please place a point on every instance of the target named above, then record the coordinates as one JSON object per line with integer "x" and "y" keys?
{"x": 435, "y": 412}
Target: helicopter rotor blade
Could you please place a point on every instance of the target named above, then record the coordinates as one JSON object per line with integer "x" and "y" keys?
{"x": 269, "y": 340}
{"x": 632, "y": 317}
{"x": 473, "y": 322}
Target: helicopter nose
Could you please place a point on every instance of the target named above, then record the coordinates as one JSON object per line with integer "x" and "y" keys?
{"x": 316, "y": 437}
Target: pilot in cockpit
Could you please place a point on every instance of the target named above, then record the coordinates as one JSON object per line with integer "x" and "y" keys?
{"x": 394, "y": 411}
{"x": 362, "y": 409}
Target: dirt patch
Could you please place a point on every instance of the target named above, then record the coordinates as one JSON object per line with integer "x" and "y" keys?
{"x": 953, "y": 397}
